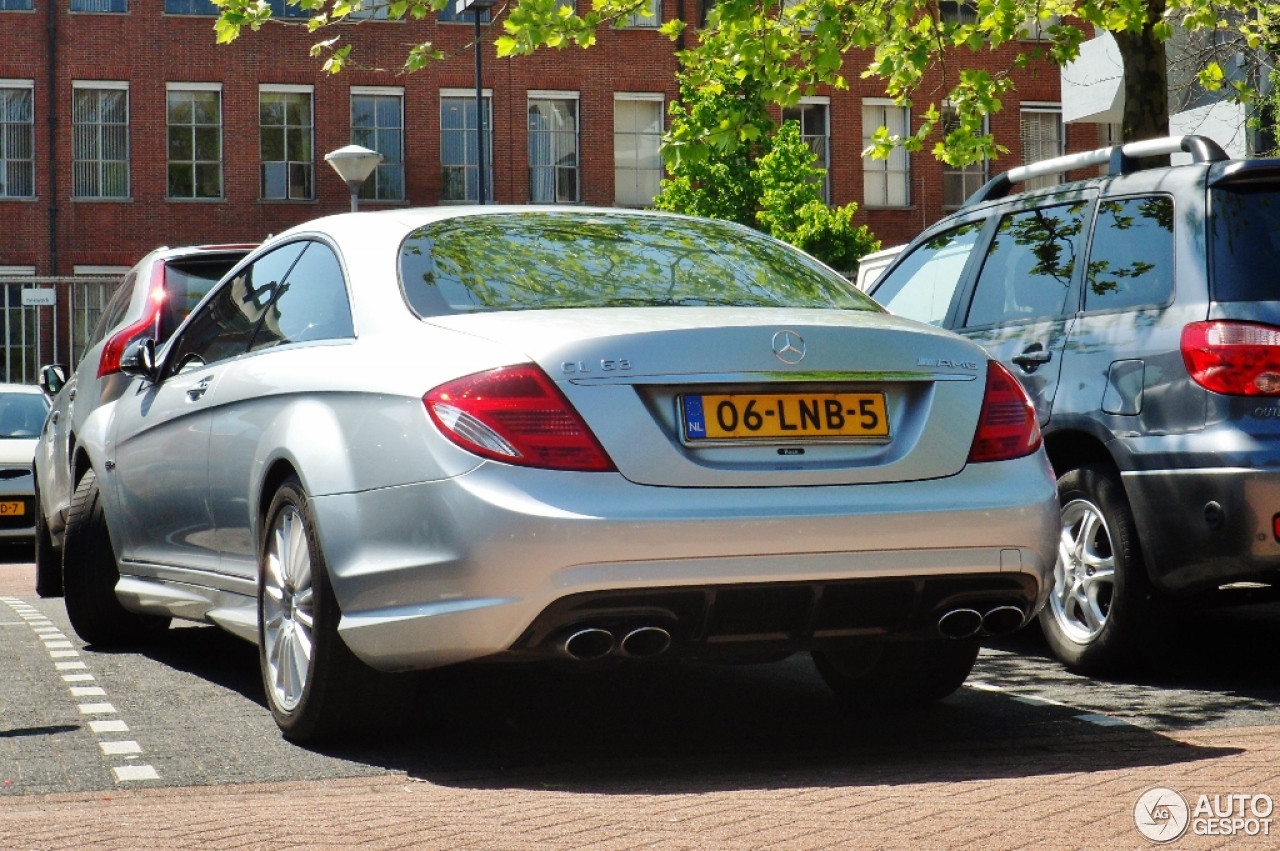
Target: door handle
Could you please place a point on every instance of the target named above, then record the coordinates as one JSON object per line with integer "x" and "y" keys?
{"x": 1032, "y": 357}
{"x": 194, "y": 394}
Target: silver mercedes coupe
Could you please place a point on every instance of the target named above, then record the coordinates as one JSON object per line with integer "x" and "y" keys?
{"x": 400, "y": 440}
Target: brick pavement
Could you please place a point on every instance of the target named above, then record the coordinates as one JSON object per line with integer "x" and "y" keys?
{"x": 973, "y": 795}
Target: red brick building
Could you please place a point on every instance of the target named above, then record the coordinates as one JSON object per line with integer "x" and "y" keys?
{"x": 123, "y": 126}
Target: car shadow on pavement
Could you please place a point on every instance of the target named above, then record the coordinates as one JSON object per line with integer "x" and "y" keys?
{"x": 692, "y": 727}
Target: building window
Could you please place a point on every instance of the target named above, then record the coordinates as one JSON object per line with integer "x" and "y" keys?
{"x": 17, "y": 140}
{"x": 447, "y": 15}
{"x": 284, "y": 122}
{"x": 1110, "y": 134}
{"x": 962, "y": 12}
{"x": 195, "y": 142}
{"x": 15, "y": 5}
{"x": 553, "y": 148}
{"x": 190, "y": 7}
{"x": 959, "y": 182}
{"x": 377, "y": 123}
{"x": 120, "y": 6}
{"x": 885, "y": 183}
{"x": 1042, "y": 139}
{"x": 648, "y": 15}
{"x": 815, "y": 128}
{"x": 282, "y": 9}
{"x": 458, "y": 146}
{"x": 100, "y": 140}
{"x": 637, "y": 149}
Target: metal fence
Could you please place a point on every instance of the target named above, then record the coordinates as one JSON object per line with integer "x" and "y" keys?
{"x": 50, "y": 324}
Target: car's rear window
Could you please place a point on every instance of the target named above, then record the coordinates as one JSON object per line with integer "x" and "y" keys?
{"x": 1244, "y": 233}
{"x": 537, "y": 260}
{"x": 186, "y": 281}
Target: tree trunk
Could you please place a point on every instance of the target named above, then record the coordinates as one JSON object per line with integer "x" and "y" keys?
{"x": 1146, "y": 80}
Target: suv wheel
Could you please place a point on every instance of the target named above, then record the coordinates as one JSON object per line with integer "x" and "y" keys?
{"x": 888, "y": 674}
{"x": 1102, "y": 603}
{"x": 90, "y": 574}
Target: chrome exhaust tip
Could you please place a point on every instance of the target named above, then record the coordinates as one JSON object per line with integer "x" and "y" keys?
{"x": 960, "y": 623}
{"x": 587, "y": 645}
{"x": 1003, "y": 620}
{"x": 645, "y": 642}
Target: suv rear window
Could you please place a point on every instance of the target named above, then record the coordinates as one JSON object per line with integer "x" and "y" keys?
{"x": 1244, "y": 233}
{"x": 531, "y": 261}
{"x": 186, "y": 281}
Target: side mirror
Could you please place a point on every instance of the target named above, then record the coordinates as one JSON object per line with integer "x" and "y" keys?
{"x": 139, "y": 359}
{"x": 52, "y": 379}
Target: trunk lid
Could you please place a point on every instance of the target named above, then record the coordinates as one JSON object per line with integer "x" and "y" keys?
{"x": 639, "y": 375}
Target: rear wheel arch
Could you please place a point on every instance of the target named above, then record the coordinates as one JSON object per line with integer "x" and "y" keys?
{"x": 1070, "y": 449}
{"x": 279, "y": 471}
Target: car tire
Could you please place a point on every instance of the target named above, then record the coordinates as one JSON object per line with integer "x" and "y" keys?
{"x": 1102, "y": 609}
{"x": 90, "y": 574}
{"x": 48, "y": 558}
{"x": 315, "y": 685}
{"x": 886, "y": 675}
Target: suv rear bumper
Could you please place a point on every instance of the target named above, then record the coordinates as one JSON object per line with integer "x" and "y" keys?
{"x": 1202, "y": 528}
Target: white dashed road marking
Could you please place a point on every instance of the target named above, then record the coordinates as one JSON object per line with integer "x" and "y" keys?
{"x": 60, "y": 647}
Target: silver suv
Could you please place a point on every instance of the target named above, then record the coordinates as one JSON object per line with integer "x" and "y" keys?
{"x": 1141, "y": 310}
{"x": 156, "y": 295}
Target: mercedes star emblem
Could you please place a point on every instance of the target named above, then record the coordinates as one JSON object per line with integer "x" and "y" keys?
{"x": 789, "y": 347}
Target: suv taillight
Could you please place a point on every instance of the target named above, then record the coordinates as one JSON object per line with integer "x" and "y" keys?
{"x": 515, "y": 414}
{"x": 1007, "y": 426}
{"x": 1234, "y": 358}
{"x": 109, "y": 361}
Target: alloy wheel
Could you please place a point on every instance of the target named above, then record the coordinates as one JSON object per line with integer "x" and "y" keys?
{"x": 287, "y": 614}
{"x": 1084, "y": 577}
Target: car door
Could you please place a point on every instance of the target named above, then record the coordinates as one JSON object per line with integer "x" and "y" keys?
{"x": 161, "y": 429}
{"x": 311, "y": 306}
{"x": 1024, "y": 297}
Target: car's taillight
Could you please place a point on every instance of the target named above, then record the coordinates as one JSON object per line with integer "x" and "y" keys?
{"x": 109, "y": 362}
{"x": 515, "y": 414}
{"x": 1235, "y": 358}
{"x": 1007, "y": 426}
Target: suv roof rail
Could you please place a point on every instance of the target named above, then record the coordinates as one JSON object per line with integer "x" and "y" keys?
{"x": 1122, "y": 159}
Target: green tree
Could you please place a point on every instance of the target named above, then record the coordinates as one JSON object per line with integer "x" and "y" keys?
{"x": 792, "y": 208}
{"x": 793, "y": 46}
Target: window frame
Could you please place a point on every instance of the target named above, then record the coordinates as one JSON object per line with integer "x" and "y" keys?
{"x": 961, "y": 172}
{"x": 100, "y": 86}
{"x": 171, "y": 88}
{"x": 659, "y": 98}
{"x": 531, "y": 97}
{"x": 824, "y": 159}
{"x": 467, "y": 97}
{"x": 870, "y": 164}
{"x": 122, "y": 4}
{"x": 287, "y": 89}
{"x": 1072, "y": 301}
{"x": 5, "y": 160}
{"x": 637, "y": 21}
{"x": 1041, "y": 108}
{"x": 372, "y": 184}
{"x": 1083, "y": 306}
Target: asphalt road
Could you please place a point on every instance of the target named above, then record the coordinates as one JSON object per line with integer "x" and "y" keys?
{"x": 190, "y": 712}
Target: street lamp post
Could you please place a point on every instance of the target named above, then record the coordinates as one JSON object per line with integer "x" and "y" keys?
{"x": 354, "y": 164}
{"x": 461, "y": 7}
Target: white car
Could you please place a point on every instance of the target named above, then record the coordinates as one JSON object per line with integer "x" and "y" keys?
{"x": 22, "y": 414}
{"x": 399, "y": 440}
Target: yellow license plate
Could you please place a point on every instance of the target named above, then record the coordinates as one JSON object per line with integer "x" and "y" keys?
{"x": 12, "y": 508}
{"x": 785, "y": 416}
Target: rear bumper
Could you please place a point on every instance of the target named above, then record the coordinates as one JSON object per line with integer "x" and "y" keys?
{"x": 460, "y": 569}
{"x": 1202, "y": 528}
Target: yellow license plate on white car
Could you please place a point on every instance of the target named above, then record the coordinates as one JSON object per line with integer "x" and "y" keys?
{"x": 12, "y": 508}
{"x": 784, "y": 416}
